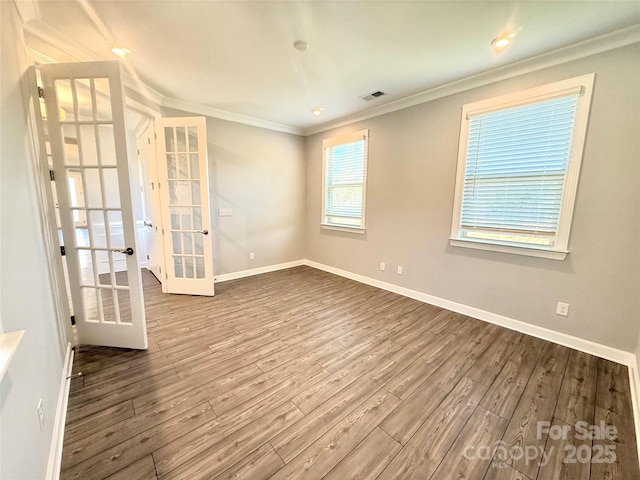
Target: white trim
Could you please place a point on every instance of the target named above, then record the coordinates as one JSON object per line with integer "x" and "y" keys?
{"x": 343, "y": 228}
{"x": 229, "y": 116}
{"x": 582, "y": 84}
{"x": 357, "y": 136}
{"x": 57, "y": 441}
{"x": 529, "y": 251}
{"x": 634, "y": 386}
{"x": 592, "y": 46}
{"x": 587, "y": 346}
{"x": 225, "y": 277}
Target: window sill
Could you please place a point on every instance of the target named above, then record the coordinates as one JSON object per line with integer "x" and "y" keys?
{"x": 357, "y": 230}
{"x": 531, "y": 251}
{"x": 8, "y": 344}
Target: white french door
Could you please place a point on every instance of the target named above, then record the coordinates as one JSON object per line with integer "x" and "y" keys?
{"x": 153, "y": 217}
{"x": 85, "y": 119}
{"x": 184, "y": 197}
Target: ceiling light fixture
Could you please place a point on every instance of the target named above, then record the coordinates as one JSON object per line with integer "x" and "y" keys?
{"x": 501, "y": 42}
{"x": 300, "y": 45}
{"x": 317, "y": 111}
{"x": 121, "y": 52}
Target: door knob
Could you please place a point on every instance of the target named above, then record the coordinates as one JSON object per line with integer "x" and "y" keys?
{"x": 204, "y": 232}
{"x": 148, "y": 224}
{"x": 128, "y": 251}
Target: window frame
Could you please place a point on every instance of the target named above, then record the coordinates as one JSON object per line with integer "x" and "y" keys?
{"x": 333, "y": 142}
{"x": 583, "y": 85}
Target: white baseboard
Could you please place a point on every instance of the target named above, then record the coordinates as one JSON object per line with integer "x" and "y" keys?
{"x": 225, "y": 277}
{"x": 634, "y": 384}
{"x": 587, "y": 346}
{"x": 57, "y": 441}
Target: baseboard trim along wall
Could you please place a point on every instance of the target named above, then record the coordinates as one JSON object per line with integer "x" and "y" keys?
{"x": 57, "y": 440}
{"x": 225, "y": 277}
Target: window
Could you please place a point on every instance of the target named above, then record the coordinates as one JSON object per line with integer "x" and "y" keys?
{"x": 518, "y": 167}
{"x": 345, "y": 181}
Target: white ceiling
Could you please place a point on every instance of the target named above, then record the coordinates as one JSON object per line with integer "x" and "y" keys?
{"x": 238, "y": 56}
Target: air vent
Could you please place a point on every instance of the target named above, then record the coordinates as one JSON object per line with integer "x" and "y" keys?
{"x": 371, "y": 96}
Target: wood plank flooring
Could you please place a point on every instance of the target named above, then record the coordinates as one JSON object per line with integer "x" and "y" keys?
{"x": 303, "y": 374}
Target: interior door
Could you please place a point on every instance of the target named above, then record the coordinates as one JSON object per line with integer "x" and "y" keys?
{"x": 85, "y": 116}
{"x": 184, "y": 197}
{"x": 153, "y": 212}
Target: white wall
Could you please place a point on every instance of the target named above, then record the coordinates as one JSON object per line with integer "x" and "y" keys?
{"x": 412, "y": 166}
{"x": 26, "y": 300}
{"x": 260, "y": 175}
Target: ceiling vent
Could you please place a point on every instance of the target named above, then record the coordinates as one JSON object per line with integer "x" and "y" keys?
{"x": 370, "y": 96}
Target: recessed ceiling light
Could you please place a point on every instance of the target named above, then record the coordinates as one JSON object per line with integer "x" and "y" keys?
{"x": 501, "y": 42}
{"x": 121, "y": 51}
{"x": 300, "y": 45}
{"x": 317, "y": 111}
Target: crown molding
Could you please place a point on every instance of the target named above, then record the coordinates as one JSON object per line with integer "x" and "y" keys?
{"x": 593, "y": 46}
{"x": 28, "y": 10}
{"x": 64, "y": 43}
{"x": 229, "y": 116}
{"x": 603, "y": 43}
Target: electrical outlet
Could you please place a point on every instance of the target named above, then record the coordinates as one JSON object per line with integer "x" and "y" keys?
{"x": 225, "y": 212}
{"x": 40, "y": 410}
{"x": 562, "y": 309}
{"x": 382, "y": 266}
{"x": 399, "y": 269}
{"x": 252, "y": 256}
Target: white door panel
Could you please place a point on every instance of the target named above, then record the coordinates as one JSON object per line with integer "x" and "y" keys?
{"x": 153, "y": 212}
{"x": 85, "y": 106}
{"x": 184, "y": 196}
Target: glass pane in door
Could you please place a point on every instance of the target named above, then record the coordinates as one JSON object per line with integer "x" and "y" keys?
{"x": 183, "y": 182}
{"x": 90, "y": 162}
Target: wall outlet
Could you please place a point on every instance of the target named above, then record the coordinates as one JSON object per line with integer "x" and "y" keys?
{"x": 40, "y": 410}
{"x": 225, "y": 212}
{"x": 562, "y": 309}
{"x": 399, "y": 269}
{"x": 252, "y": 256}
{"x": 382, "y": 266}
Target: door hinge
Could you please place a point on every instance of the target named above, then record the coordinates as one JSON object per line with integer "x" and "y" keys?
{"x": 40, "y": 92}
{"x": 166, "y": 275}
{"x": 62, "y": 251}
{"x": 149, "y": 140}
{"x": 138, "y": 150}
{"x": 147, "y": 257}
{"x": 73, "y": 319}
{"x": 152, "y": 187}
{"x": 52, "y": 176}
{"x": 163, "y": 231}
{"x": 155, "y": 135}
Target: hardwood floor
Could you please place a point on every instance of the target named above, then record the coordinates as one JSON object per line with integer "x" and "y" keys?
{"x": 303, "y": 374}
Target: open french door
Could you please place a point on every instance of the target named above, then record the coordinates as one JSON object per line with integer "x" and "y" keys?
{"x": 85, "y": 120}
{"x": 153, "y": 216}
{"x": 184, "y": 198}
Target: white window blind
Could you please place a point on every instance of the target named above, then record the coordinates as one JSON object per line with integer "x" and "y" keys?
{"x": 345, "y": 173}
{"x": 515, "y": 170}
{"x": 518, "y": 167}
